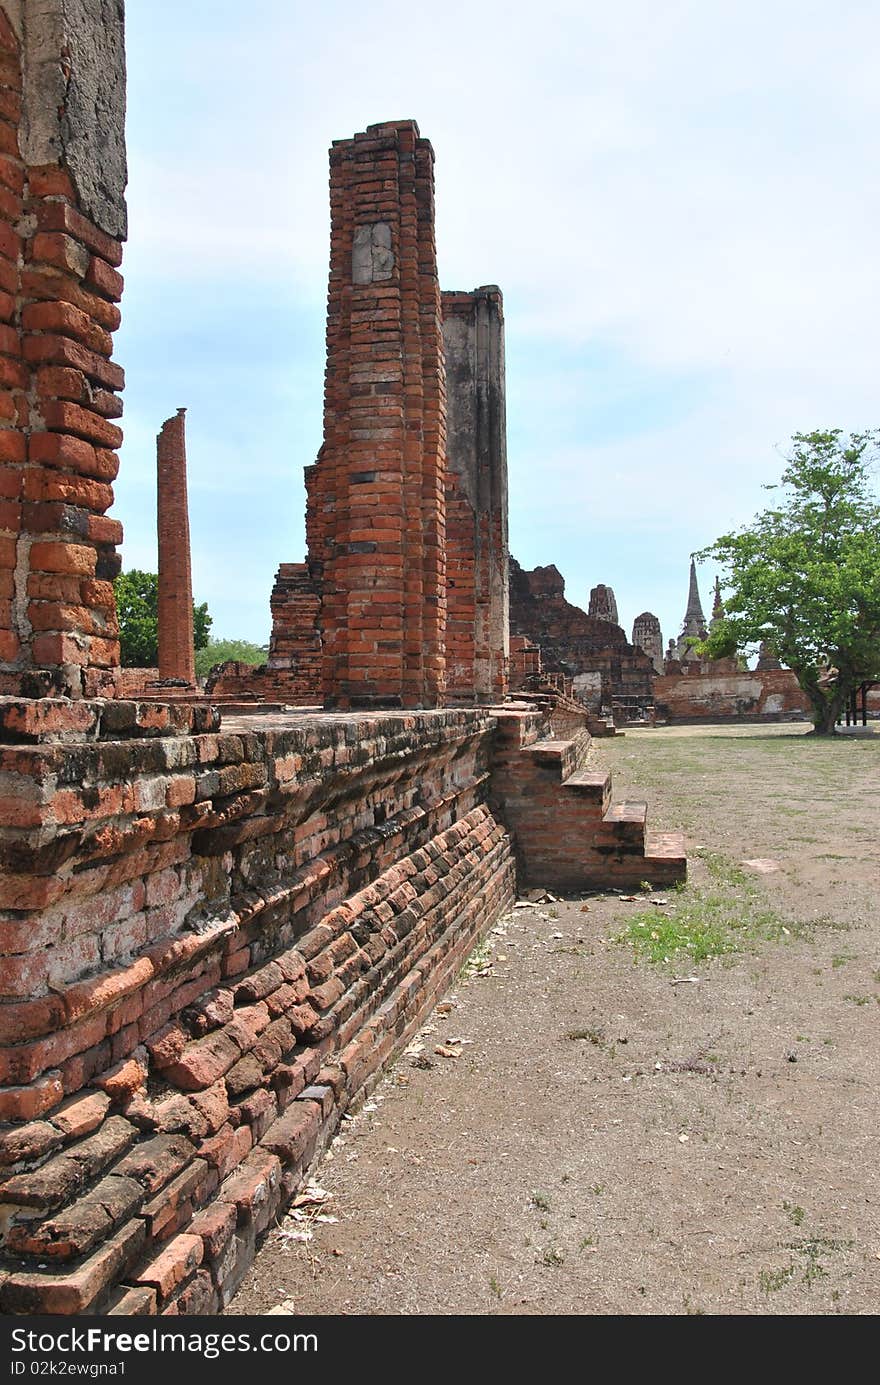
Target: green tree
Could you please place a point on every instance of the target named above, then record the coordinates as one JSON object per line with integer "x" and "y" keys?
{"x": 805, "y": 576}
{"x": 137, "y": 603}
{"x": 221, "y": 651}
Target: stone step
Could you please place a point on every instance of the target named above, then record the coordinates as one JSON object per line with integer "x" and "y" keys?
{"x": 667, "y": 849}
{"x": 564, "y": 756}
{"x": 627, "y": 813}
{"x": 591, "y": 786}
{"x": 587, "y": 779}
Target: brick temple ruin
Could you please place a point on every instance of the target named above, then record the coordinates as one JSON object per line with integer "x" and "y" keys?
{"x": 588, "y": 648}
{"x": 691, "y": 688}
{"x": 217, "y": 926}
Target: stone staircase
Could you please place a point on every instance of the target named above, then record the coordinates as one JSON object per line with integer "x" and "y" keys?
{"x": 569, "y": 835}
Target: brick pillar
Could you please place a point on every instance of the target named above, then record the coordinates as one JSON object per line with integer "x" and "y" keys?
{"x": 477, "y": 635}
{"x": 376, "y": 494}
{"x": 62, "y": 220}
{"x": 176, "y": 647}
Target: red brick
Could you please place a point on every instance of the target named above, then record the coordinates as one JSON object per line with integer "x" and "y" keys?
{"x": 215, "y": 1225}
{"x": 65, "y": 417}
{"x": 172, "y": 1266}
{"x": 76, "y": 1290}
{"x": 81, "y": 1114}
{"x": 26, "y": 1103}
{"x": 104, "y": 279}
{"x": 60, "y": 216}
{"x": 55, "y": 349}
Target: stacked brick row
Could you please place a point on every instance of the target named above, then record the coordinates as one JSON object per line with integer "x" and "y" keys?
{"x": 59, "y": 289}
{"x": 376, "y": 494}
{"x": 200, "y": 923}
{"x": 295, "y": 643}
{"x": 525, "y": 661}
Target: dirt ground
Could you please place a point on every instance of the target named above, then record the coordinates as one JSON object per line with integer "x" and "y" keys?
{"x": 615, "y": 1138}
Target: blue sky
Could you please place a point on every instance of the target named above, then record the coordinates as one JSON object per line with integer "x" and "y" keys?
{"x": 678, "y": 200}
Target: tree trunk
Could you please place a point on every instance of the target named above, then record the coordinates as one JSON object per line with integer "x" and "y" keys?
{"x": 827, "y": 707}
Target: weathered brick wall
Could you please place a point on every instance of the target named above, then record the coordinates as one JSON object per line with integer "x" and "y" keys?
{"x": 211, "y": 937}
{"x": 757, "y": 696}
{"x": 376, "y": 494}
{"x": 62, "y": 220}
{"x": 292, "y": 672}
{"x": 295, "y": 644}
{"x": 477, "y": 623}
{"x": 175, "y": 605}
{"x": 572, "y": 642}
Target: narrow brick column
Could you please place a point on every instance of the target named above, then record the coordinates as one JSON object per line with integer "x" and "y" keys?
{"x": 476, "y": 497}
{"x": 176, "y": 648}
{"x": 62, "y": 220}
{"x": 376, "y": 495}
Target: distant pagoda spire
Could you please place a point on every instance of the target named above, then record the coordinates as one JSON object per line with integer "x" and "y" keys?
{"x": 717, "y": 604}
{"x": 694, "y": 627}
{"x": 694, "y": 612}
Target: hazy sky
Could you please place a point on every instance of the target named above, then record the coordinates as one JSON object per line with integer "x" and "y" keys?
{"x": 678, "y": 198}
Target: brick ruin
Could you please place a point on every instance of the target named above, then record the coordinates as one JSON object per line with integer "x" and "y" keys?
{"x": 647, "y": 636}
{"x": 691, "y": 688}
{"x": 216, "y": 927}
{"x": 603, "y": 604}
{"x": 577, "y": 644}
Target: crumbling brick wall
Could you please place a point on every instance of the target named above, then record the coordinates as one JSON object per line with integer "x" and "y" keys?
{"x": 212, "y": 937}
{"x": 572, "y": 642}
{"x": 62, "y": 219}
{"x": 709, "y": 696}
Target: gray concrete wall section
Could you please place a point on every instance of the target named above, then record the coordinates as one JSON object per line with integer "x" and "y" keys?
{"x": 74, "y": 99}
{"x": 477, "y": 452}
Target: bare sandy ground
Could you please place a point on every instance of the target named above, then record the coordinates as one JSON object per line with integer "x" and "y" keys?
{"x": 614, "y": 1138}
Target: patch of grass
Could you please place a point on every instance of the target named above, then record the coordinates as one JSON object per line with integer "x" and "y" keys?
{"x": 704, "y": 922}
{"x": 595, "y": 1036}
{"x": 795, "y": 1213}
{"x": 494, "y": 1287}
{"x": 540, "y": 1202}
{"x": 840, "y": 959}
{"x": 480, "y": 957}
{"x": 858, "y": 999}
{"x": 586, "y": 1242}
{"x": 769, "y": 1281}
{"x": 811, "y": 1248}
{"x": 552, "y": 1256}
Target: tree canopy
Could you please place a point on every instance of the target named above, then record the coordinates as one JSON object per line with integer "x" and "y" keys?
{"x": 805, "y": 576}
{"x": 137, "y": 603}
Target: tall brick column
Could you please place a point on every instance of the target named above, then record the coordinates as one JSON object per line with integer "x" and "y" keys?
{"x": 62, "y": 218}
{"x": 477, "y": 631}
{"x": 376, "y": 494}
{"x": 176, "y": 647}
